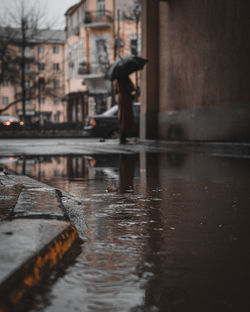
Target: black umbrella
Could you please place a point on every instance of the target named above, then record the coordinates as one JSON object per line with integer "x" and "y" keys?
{"x": 125, "y": 66}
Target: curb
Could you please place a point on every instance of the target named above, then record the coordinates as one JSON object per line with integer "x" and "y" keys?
{"x": 35, "y": 269}
{"x": 33, "y": 239}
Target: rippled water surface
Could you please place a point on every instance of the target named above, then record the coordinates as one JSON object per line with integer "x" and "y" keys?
{"x": 166, "y": 232}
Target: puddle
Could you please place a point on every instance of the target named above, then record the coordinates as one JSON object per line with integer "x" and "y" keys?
{"x": 162, "y": 232}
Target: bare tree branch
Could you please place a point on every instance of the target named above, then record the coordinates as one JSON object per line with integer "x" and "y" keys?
{"x": 28, "y": 19}
{"x": 2, "y": 110}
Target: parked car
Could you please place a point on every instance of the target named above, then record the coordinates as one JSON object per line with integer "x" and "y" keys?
{"x": 106, "y": 125}
{"x": 7, "y": 121}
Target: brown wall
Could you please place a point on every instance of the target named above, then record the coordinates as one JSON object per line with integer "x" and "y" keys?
{"x": 204, "y": 69}
{"x": 149, "y": 75}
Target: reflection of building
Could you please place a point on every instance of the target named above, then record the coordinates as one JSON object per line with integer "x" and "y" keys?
{"x": 44, "y": 76}
{"x": 49, "y": 167}
{"x": 97, "y": 33}
{"x": 39, "y": 167}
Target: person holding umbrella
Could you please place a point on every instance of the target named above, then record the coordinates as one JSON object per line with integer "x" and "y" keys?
{"x": 120, "y": 70}
{"x": 125, "y": 89}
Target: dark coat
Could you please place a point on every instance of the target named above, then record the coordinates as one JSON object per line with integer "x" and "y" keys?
{"x": 124, "y": 88}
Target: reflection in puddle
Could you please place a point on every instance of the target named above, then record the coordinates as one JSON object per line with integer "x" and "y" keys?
{"x": 166, "y": 232}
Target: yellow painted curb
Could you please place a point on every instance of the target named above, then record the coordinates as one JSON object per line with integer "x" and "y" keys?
{"x": 32, "y": 272}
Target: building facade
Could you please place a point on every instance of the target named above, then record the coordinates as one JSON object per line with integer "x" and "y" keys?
{"x": 65, "y": 69}
{"x": 98, "y": 32}
{"x": 41, "y": 70}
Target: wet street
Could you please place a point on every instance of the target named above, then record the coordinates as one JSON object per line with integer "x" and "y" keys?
{"x": 166, "y": 230}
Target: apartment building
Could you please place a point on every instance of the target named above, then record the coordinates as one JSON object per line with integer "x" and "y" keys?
{"x": 65, "y": 69}
{"x": 98, "y": 32}
{"x": 43, "y": 67}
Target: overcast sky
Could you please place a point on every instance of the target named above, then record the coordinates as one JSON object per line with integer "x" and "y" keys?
{"x": 55, "y": 9}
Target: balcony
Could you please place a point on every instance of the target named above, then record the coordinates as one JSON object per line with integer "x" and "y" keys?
{"x": 92, "y": 69}
{"x": 27, "y": 59}
{"x": 98, "y": 19}
{"x": 84, "y": 69}
{"x": 94, "y": 77}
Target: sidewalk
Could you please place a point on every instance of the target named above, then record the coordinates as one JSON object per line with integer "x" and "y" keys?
{"x": 35, "y": 234}
{"x": 88, "y": 146}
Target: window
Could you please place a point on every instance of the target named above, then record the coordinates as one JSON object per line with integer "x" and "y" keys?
{"x": 5, "y": 100}
{"x": 42, "y": 100}
{"x": 56, "y": 101}
{"x": 55, "y": 49}
{"x": 27, "y": 84}
{"x": 56, "y": 172}
{"x": 41, "y": 84}
{"x": 70, "y": 64}
{"x": 5, "y": 83}
{"x": 26, "y": 51}
{"x": 101, "y": 55}
{"x": 133, "y": 46}
{"x": 57, "y": 117}
{"x": 41, "y": 49}
{"x": 56, "y": 84}
{"x": 58, "y": 160}
{"x": 75, "y": 59}
{"x": 56, "y": 67}
{"x": 27, "y": 66}
{"x": 83, "y": 10}
{"x": 100, "y": 8}
{"x": 28, "y": 104}
{"x": 42, "y": 173}
{"x": 41, "y": 66}
{"x": 81, "y": 50}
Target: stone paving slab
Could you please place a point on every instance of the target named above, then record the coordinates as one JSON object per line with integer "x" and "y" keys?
{"x": 23, "y": 196}
{"x": 38, "y": 202}
{"x": 29, "y": 250}
{"x": 8, "y": 199}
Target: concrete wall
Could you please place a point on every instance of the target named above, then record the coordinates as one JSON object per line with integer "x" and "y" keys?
{"x": 204, "y": 69}
{"x": 149, "y": 75}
